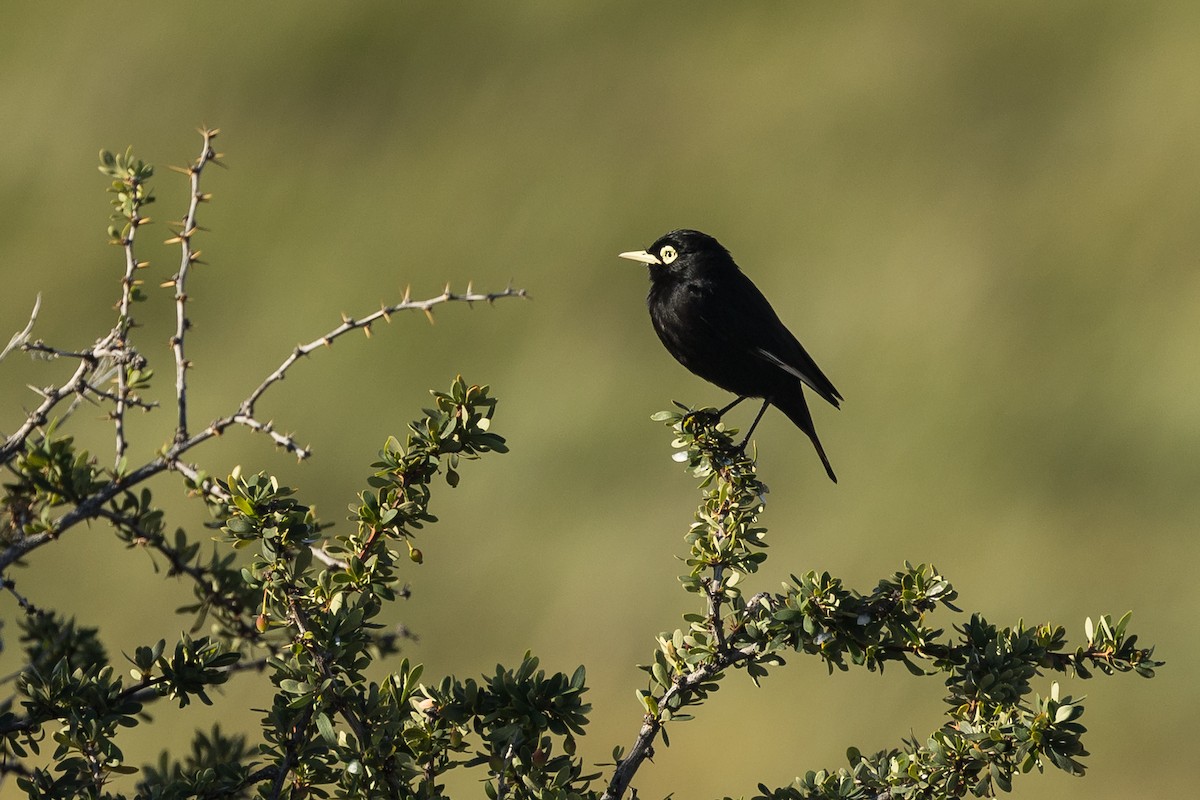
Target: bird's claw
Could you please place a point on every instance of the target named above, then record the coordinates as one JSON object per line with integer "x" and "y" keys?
{"x": 702, "y": 416}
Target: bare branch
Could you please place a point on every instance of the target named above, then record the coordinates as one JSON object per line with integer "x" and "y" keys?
{"x": 187, "y": 257}
{"x": 90, "y": 507}
{"x": 51, "y": 353}
{"x": 283, "y": 440}
{"x": 51, "y": 397}
{"x": 24, "y": 602}
{"x": 350, "y": 324}
{"x": 714, "y": 588}
{"x": 132, "y": 401}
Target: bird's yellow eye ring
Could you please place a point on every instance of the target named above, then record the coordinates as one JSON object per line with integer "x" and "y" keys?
{"x": 667, "y": 254}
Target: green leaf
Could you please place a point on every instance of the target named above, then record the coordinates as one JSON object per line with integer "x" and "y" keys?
{"x": 291, "y": 686}
{"x": 325, "y": 728}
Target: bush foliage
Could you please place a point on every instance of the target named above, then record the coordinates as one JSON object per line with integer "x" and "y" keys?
{"x": 301, "y": 600}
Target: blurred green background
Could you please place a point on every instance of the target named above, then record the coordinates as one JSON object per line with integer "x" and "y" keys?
{"x": 981, "y": 219}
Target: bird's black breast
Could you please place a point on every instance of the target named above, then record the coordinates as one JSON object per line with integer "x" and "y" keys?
{"x": 691, "y": 319}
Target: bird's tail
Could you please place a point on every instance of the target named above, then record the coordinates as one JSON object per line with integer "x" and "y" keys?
{"x": 797, "y": 411}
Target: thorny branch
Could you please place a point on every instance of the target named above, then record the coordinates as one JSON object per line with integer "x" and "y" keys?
{"x": 714, "y": 587}
{"x": 188, "y": 256}
{"x": 113, "y": 349}
{"x": 172, "y": 456}
{"x": 51, "y": 397}
{"x": 351, "y": 324}
{"x": 118, "y": 338}
{"x": 24, "y": 602}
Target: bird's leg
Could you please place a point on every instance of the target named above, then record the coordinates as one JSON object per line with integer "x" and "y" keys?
{"x": 754, "y": 424}
{"x": 729, "y": 407}
{"x": 708, "y": 415}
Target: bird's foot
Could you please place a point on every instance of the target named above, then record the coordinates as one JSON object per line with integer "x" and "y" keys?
{"x": 705, "y": 417}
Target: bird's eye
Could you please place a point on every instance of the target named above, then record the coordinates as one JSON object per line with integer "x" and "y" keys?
{"x": 668, "y": 254}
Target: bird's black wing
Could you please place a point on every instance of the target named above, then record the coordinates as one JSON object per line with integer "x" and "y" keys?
{"x": 743, "y": 317}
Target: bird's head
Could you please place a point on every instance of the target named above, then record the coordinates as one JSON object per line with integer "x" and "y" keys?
{"x": 683, "y": 252}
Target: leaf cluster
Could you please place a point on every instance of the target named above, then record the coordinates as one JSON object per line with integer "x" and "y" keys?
{"x": 997, "y": 726}
{"x": 49, "y": 474}
{"x": 130, "y": 191}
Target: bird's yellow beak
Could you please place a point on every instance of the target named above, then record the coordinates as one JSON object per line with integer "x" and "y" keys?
{"x": 640, "y": 255}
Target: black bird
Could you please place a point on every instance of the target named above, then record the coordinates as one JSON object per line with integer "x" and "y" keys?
{"x": 716, "y": 322}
